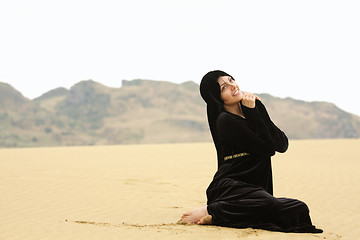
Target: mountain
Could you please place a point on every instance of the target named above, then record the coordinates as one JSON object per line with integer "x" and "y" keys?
{"x": 305, "y": 120}
{"x": 10, "y": 98}
{"x": 145, "y": 111}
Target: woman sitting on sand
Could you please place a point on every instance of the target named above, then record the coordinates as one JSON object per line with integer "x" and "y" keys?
{"x": 241, "y": 193}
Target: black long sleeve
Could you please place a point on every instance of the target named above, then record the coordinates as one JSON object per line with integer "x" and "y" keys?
{"x": 279, "y": 139}
{"x": 236, "y": 134}
{"x": 255, "y": 134}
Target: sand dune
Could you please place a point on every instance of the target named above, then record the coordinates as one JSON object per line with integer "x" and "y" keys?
{"x": 140, "y": 191}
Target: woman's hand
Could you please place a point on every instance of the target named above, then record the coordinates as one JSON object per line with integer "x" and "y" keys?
{"x": 248, "y": 100}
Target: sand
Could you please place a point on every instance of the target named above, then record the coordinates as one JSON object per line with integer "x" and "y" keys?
{"x": 140, "y": 191}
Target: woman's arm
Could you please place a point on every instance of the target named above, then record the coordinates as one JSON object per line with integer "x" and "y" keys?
{"x": 279, "y": 139}
{"x": 233, "y": 130}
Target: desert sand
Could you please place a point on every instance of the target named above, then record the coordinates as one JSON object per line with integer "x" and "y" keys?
{"x": 140, "y": 191}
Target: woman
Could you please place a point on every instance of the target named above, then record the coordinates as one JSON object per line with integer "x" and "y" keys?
{"x": 241, "y": 193}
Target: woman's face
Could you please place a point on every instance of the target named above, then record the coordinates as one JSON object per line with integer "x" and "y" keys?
{"x": 229, "y": 90}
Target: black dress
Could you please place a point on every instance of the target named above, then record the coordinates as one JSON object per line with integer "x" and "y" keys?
{"x": 241, "y": 193}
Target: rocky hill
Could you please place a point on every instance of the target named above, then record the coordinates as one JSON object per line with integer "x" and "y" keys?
{"x": 145, "y": 111}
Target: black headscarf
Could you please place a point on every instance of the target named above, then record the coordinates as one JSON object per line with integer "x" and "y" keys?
{"x": 210, "y": 92}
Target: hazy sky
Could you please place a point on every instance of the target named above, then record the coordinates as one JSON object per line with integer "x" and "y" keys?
{"x": 307, "y": 50}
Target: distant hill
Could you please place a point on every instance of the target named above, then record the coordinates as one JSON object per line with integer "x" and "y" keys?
{"x": 10, "y": 98}
{"x": 145, "y": 111}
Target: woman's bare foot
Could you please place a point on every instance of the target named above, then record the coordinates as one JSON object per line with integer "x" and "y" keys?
{"x": 207, "y": 220}
{"x": 195, "y": 215}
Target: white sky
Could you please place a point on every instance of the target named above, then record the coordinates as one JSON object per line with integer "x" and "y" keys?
{"x": 305, "y": 49}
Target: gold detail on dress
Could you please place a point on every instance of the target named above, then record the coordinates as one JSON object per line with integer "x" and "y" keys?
{"x": 235, "y": 156}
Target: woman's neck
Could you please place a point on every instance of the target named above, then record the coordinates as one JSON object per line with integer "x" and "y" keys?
{"x": 235, "y": 109}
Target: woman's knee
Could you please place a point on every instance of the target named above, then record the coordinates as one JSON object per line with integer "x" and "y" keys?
{"x": 273, "y": 205}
